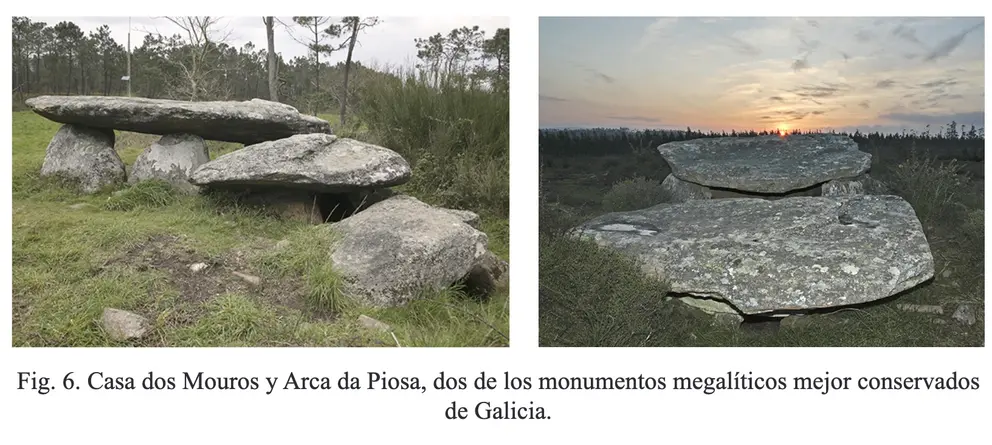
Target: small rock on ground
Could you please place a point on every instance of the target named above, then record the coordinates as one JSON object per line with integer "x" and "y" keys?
{"x": 124, "y": 325}
{"x": 197, "y": 267}
{"x": 371, "y": 323}
{"x": 964, "y": 314}
{"x": 921, "y": 308}
{"x": 250, "y": 279}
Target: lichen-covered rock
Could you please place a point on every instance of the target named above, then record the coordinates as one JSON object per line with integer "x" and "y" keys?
{"x": 85, "y": 156}
{"x": 757, "y": 256}
{"x": 862, "y": 185}
{"x": 765, "y": 164}
{"x": 172, "y": 158}
{"x": 400, "y": 246}
{"x": 319, "y": 162}
{"x": 247, "y": 122}
{"x": 682, "y": 191}
{"x": 469, "y": 217}
{"x": 124, "y": 325}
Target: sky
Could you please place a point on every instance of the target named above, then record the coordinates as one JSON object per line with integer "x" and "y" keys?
{"x": 391, "y": 43}
{"x": 872, "y": 74}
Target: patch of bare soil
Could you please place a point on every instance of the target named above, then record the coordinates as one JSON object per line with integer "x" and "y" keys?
{"x": 221, "y": 275}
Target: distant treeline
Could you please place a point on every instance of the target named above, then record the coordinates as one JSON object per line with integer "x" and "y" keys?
{"x": 198, "y": 63}
{"x": 618, "y": 141}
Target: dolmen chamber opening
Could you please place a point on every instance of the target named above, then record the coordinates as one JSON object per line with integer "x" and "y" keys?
{"x": 772, "y": 226}
{"x": 388, "y": 246}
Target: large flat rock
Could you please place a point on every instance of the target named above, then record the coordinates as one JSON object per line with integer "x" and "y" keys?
{"x": 766, "y": 164}
{"x": 319, "y": 162}
{"x": 398, "y": 247}
{"x": 762, "y": 256}
{"x": 247, "y": 122}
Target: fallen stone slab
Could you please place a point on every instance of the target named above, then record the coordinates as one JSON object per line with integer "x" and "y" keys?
{"x": 85, "y": 156}
{"x": 391, "y": 251}
{"x": 319, "y": 162}
{"x": 246, "y": 122}
{"x": 754, "y": 256}
{"x": 765, "y": 164}
{"x": 172, "y": 158}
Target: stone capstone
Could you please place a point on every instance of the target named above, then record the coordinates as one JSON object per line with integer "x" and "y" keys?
{"x": 246, "y": 122}
{"x": 765, "y": 164}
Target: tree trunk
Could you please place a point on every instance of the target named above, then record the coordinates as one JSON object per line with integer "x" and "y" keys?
{"x": 106, "y": 77}
{"x": 273, "y": 65}
{"x": 68, "y": 86}
{"x": 347, "y": 70}
{"x": 316, "y": 54}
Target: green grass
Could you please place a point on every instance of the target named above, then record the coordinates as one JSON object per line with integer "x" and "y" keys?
{"x": 592, "y": 297}
{"x": 132, "y": 251}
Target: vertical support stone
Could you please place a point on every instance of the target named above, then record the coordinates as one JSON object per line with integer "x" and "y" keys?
{"x": 86, "y": 156}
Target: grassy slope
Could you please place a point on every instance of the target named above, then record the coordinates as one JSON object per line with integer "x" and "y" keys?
{"x": 70, "y": 264}
{"x": 949, "y": 206}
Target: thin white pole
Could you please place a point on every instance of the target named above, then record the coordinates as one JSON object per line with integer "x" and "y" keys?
{"x": 129, "y": 57}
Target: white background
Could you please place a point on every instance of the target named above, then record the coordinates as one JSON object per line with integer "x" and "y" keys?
{"x": 84, "y": 416}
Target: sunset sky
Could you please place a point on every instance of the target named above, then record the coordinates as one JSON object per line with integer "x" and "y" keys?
{"x": 885, "y": 74}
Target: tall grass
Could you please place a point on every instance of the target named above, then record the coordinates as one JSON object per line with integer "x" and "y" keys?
{"x": 455, "y": 136}
{"x": 930, "y": 186}
{"x": 594, "y": 296}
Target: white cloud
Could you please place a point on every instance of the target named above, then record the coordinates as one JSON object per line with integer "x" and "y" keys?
{"x": 655, "y": 31}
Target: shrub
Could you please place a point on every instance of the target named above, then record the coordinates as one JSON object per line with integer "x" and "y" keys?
{"x": 456, "y": 137}
{"x": 594, "y": 296}
{"x": 929, "y": 185}
{"x": 555, "y": 219}
{"x": 634, "y": 194}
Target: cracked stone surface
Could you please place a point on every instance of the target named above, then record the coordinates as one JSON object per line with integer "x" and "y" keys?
{"x": 766, "y": 164}
{"x": 756, "y": 256}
